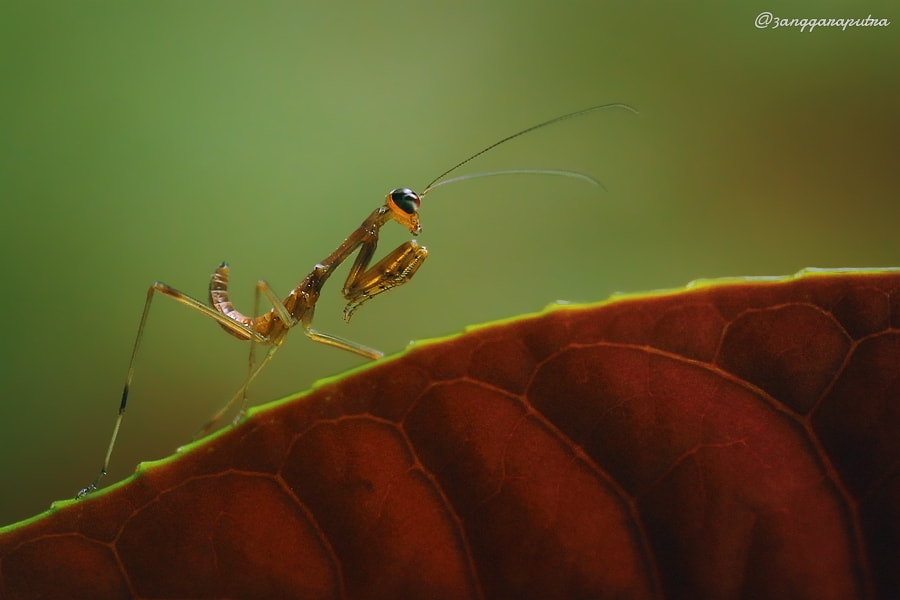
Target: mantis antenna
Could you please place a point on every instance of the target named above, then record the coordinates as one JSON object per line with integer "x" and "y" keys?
{"x": 435, "y": 183}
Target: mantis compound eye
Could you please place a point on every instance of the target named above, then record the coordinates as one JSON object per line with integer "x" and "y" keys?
{"x": 405, "y": 200}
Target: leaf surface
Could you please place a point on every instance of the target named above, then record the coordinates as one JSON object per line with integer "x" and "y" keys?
{"x": 730, "y": 440}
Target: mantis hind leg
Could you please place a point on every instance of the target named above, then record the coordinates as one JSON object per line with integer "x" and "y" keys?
{"x": 237, "y": 329}
{"x": 240, "y": 394}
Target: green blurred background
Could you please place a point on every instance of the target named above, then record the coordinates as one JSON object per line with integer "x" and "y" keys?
{"x": 151, "y": 141}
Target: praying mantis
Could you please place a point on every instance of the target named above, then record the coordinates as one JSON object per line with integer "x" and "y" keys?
{"x": 363, "y": 282}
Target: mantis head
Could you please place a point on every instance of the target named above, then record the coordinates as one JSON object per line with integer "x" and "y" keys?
{"x": 404, "y": 205}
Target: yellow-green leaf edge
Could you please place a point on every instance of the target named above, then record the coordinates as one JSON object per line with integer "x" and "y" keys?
{"x": 693, "y": 286}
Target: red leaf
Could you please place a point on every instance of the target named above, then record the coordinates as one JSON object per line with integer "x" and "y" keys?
{"x": 725, "y": 441}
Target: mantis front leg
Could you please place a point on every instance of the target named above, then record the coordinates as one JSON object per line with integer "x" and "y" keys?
{"x": 395, "y": 269}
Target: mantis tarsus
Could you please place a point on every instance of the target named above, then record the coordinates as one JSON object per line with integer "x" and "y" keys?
{"x": 362, "y": 283}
